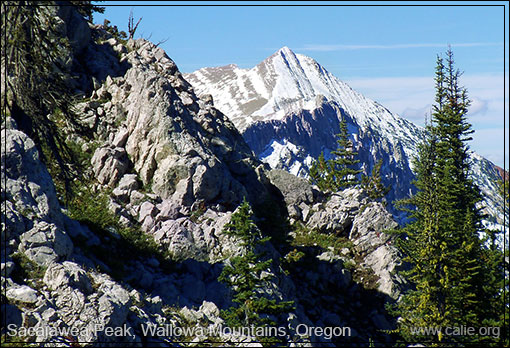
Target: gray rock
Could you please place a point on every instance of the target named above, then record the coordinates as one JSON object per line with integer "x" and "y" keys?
{"x": 120, "y": 138}
{"x": 26, "y": 182}
{"x": 371, "y": 242}
{"x": 49, "y": 315}
{"x": 67, "y": 274}
{"x": 328, "y": 256}
{"x": 170, "y": 142}
{"x": 45, "y": 243}
{"x": 77, "y": 28}
{"x": 109, "y": 164}
{"x": 295, "y": 190}
{"x": 113, "y": 307}
{"x": 147, "y": 209}
{"x": 13, "y": 221}
{"x": 114, "y": 207}
{"x": 148, "y": 224}
{"x": 189, "y": 315}
{"x": 295, "y": 212}
{"x": 7, "y": 268}
{"x": 209, "y": 309}
{"x": 338, "y": 213}
{"x": 128, "y": 182}
{"x": 121, "y": 195}
{"x": 136, "y": 197}
{"x": 369, "y": 225}
{"x": 384, "y": 261}
{"x": 7, "y": 121}
{"x": 168, "y": 210}
{"x": 22, "y": 294}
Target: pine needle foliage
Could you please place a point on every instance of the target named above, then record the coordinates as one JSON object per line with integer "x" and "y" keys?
{"x": 339, "y": 172}
{"x": 373, "y": 184}
{"x": 456, "y": 276}
{"x": 244, "y": 274}
{"x": 36, "y": 64}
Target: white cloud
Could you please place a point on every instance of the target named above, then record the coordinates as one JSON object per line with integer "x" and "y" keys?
{"x": 340, "y": 47}
{"x": 478, "y": 106}
{"x": 412, "y": 97}
{"x": 417, "y": 115}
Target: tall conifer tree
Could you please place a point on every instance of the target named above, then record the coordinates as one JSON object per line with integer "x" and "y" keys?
{"x": 452, "y": 271}
{"x": 337, "y": 173}
{"x": 243, "y": 273}
{"x": 344, "y": 160}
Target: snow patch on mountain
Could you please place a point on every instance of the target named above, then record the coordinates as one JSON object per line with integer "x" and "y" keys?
{"x": 283, "y": 155}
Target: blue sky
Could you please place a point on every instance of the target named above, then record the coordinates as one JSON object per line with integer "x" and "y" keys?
{"x": 387, "y": 53}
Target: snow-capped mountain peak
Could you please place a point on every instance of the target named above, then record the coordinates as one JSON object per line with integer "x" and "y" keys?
{"x": 288, "y": 108}
{"x": 285, "y": 83}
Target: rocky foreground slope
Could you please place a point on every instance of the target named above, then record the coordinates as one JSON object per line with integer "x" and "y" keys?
{"x": 141, "y": 245}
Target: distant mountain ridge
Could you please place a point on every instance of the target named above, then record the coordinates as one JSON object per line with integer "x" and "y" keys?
{"x": 288, "y": 108}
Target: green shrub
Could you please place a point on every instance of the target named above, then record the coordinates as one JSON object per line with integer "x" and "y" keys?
{"x": 92, "y": 210}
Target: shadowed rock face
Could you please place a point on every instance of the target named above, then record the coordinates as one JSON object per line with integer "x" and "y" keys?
{"x": 314, "y": 131}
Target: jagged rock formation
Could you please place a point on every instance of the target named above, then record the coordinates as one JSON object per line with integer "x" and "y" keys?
{"x": 187, "y": 152}
{"x": 174, "y": 169}
{"x": 351, "y": 214}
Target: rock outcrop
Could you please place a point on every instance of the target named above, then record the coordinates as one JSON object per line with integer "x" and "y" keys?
{"x": 34, "y": 224}
{"x": 179, "y": 145}
{"x": 350, "y": 213}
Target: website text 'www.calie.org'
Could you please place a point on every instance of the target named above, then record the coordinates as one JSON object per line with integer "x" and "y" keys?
{"x": 493, "y": 331}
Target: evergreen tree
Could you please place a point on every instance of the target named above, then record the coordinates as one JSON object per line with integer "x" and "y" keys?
{"x": 337, "y": 173}
{"x": 452, "y": 271}
{"x": 344, "y": 175}
{"x": 420, "y": 242}
{"x": 37, "y": 61}
{"x": 243, "y": 273}
{"x": 321, "y": 174}
{"x": 373, "y": 184}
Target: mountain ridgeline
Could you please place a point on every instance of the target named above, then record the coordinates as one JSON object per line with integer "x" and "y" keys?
{"x": 289, "y": 108}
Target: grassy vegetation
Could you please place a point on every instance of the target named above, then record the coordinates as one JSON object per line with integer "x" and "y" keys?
{"x": 27, "y": 270}
{"x": 91, "y": 209}
{"x": 77, "y": 161}
{"x": 307, "y": 237}
{"x": 195, "y": 215}
{"x": 311, "y": 238}
{"x": 74, "y": 191}
{"x": 16, "y": 341}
